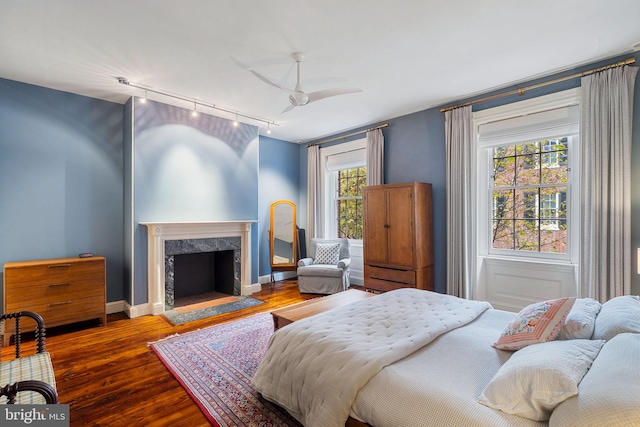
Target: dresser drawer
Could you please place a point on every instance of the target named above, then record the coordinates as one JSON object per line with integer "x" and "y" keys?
{"x": 20, "y": 297}
{"x": 60, "y": 313}
{"x": 30, "y": 273}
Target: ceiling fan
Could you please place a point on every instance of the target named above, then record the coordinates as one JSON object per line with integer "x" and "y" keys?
{"x": 297, "y": 97}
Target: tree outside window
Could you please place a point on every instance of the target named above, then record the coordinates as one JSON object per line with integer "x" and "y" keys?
{"x": 349, "y": 201}
{"x": 529, "y": 192}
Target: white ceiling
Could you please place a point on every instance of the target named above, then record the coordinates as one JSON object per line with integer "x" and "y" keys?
{"x": 406, "y": 56}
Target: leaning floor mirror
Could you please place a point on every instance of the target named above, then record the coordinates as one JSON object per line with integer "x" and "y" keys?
{"x": 282, "y": 237}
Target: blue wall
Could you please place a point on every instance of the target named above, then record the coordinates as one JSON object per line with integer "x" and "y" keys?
{"x": 279, "y": 179}
{"x": 190, "y": 169}
{"x": 61, "y": 181}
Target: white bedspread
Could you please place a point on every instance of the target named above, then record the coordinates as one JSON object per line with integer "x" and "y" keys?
{"x": 315, "y": 367}
{"x": 439, "y": 384}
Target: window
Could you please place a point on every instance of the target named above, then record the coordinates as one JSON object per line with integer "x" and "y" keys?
{"x": 529, "y": 190}
{"x": 528, "y": 199}
{"x": 349, "y": 201}
{"x": 345, "y": 173}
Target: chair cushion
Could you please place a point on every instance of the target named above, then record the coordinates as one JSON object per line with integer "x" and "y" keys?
{"x": 34, "y": 367}
{"x": 320, "y": 270}
{"x": 327, "y": 253}
{"x": 344, "y": 246}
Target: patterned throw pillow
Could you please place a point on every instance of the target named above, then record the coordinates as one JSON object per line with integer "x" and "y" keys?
{"x": 536, "y": 323}
{"x": 327, "y": 253}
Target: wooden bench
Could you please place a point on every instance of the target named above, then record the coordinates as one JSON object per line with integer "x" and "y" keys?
{"x": 286, "y": 315}
{"x": 28, "y": 380}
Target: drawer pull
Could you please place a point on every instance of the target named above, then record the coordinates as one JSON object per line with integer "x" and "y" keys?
{"x": 59, "y": 303}
{"x": 58, "y": 265}
{"x": 60, "y": 284}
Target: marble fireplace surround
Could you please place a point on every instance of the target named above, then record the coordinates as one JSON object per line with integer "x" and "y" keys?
{"x": 215, "y": 232}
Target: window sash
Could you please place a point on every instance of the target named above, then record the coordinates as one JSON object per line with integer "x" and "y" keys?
{"x": 534, "y": 218}
{"x": 347, "y": 155}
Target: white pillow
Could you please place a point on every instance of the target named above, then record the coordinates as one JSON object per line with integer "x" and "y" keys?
{"x": 618, "y": 315}
{"x": 539, "y": 377}
{"x": 327, "y": 253}
{"x": 581, "y": 320}
{"x": 609, "y": 394}
{"x": 536, "y": 323}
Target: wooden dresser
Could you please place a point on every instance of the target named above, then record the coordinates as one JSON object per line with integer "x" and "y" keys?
{"x": 62, "y": 291}
{"x": 398, "y": 236}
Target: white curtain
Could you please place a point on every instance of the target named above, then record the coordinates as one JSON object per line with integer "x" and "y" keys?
{"x": 459, "y": 168}
{"x": 607, "y": 113}
{"x": 314, "y": 188}
{"x": 375, "y": 157}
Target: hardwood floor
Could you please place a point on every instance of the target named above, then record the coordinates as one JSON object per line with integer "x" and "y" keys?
{"x": 110, "y": 377}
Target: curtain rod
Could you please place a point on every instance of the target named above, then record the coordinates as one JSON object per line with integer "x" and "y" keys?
{"x": 558, "y": 80}
{"x": 348, "y": 135}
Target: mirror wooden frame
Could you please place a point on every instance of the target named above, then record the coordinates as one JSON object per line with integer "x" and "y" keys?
{"x": 274, "y": 221}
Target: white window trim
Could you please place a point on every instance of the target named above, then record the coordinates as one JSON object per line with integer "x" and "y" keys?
{"x": 483, "y": 230}
{"x": 330, "y": 228}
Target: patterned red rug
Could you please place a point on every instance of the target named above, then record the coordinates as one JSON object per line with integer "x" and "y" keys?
{"x": 215, "y": 365}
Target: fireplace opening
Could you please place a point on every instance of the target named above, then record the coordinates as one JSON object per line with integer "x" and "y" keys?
{"x": 203, "y": 276}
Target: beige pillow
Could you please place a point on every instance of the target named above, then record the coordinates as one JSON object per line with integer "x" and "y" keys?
{"x": 618, "y": 315}
{"x": 609, "y": 394}
{"x": 581, "y": 320}
{"x": 539, "y": 377}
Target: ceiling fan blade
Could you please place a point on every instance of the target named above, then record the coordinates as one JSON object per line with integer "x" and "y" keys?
{"x": 289, "y": 108}
{"x": 326, "y": 93}
{"x": 260, "y": 76}
{"x": 267, "y": 81}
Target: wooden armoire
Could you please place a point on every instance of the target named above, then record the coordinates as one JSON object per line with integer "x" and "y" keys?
{"x": 398, "y": 236}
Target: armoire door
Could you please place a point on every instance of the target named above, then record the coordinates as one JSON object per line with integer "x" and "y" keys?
{"x": 400, "y": 230}
{"x": 375, "y": 227}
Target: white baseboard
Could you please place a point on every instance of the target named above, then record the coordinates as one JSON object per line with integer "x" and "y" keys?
{"x": 115, "y": 307}
{"x": 280, "y": 275}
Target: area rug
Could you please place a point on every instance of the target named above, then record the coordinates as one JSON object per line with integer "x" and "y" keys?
{"x": 178, "y": 316}
{"x": 215, "y": 366}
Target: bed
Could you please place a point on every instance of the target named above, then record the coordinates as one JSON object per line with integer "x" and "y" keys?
{"x": 417, "y": 358}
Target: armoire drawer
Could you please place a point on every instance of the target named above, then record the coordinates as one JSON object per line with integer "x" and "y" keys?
{"x": 388, "y": 274}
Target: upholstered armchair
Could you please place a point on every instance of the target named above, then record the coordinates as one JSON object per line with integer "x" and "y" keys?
{"x": 326, "y": 270}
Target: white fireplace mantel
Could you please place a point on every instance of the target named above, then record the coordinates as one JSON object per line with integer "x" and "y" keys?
{"x": 159, "y": 232}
